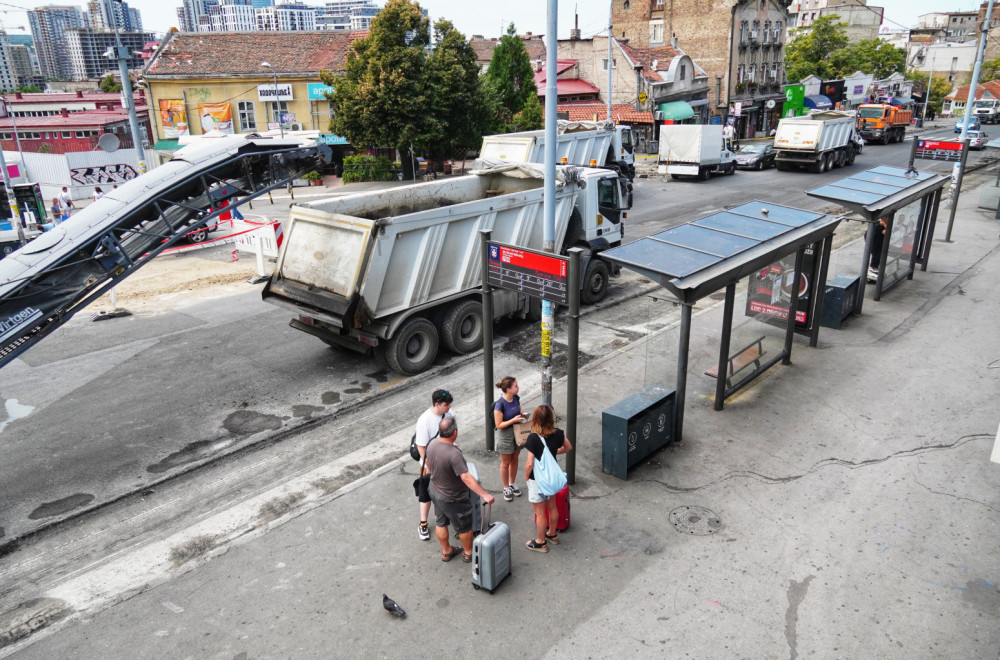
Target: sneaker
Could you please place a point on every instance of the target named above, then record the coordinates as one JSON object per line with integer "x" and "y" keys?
{"x": 872, "y": 275}
{"x": 425, "y": 532}
{"x": 508, "y": 494}
{"x": 514, "y": 489}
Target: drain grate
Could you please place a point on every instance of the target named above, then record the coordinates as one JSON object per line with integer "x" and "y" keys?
{"x": 696, "y": 520}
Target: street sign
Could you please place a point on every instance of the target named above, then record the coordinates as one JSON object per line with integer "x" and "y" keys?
{"x": 948, "y": 150}
{"x": 642, "y": 97}
{"x": 533, "y": 273}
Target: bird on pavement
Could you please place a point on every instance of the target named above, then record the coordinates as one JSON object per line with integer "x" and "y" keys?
{"x": 392, "y": 607}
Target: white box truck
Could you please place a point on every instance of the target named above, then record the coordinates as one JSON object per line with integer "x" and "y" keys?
{"x": 395, "y": 272}
{"x": 584, "y": 143}
{"x": 694, "y": 150}
{"x": 819, "y": 141}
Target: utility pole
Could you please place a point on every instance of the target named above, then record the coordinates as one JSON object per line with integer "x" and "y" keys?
{"x": 958, "y": 170}
{"x": 122, "y": 54}
{"x": 549, "y": 200}
{"x": 610, "y": 60}
{"x": 930, "y": 81}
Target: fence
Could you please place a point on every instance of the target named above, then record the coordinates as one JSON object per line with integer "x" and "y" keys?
{"x": 80, "y": 171}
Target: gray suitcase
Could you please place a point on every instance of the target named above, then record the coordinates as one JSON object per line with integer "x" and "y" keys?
{"x": 490, "y": 554}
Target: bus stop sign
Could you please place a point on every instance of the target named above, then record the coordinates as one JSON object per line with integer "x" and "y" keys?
{"x": 533, "y": 273}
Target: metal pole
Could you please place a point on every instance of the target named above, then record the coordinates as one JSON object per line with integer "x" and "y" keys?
{"x": 15, "y": 218}
{"x": 913, "y": 153}
{"x": 682, "y": 366}
{"x": 573, "y": 364}
{"x": 959, "y": 168}
{"x": 484, "y": 257}
{"x": 133, "y": 120}
{"x": 549, "y": 226}
{"x": 792, "y": 305}
{"x": 724, "y": 341}
{"x": 274, "y": 113}
{"x": 610, "y": 59}
{"x": 927, "y": 94}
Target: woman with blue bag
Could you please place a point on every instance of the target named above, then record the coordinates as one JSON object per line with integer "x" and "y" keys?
{"x": 544, "y": 476}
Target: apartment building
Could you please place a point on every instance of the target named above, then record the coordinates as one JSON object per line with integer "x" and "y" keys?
{"x": 49, "y": 28}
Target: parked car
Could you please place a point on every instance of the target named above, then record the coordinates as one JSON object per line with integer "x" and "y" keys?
{"x": 973, "y": 124}
{"x": 975, "y": 139}
{"x": 756, "y": 156}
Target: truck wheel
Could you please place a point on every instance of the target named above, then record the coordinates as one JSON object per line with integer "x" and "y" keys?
{"x": 462, "y": 327}
{"x": 378, "y": 352}
{"x": 780, "y": 166}
{"x": 704, "y": 173}
{"x": 413, "y": 348}
{"x": 731, "y": 170}
{"x": 534, "y": 313}
{"x": 595, "y": 282}
{"x": 820, "y": 166}
{"x": 830, "y": 160}
{"x": 851, "y": 154}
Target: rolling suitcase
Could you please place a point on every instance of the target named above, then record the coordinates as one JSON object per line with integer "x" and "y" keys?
{"x": 490, "y": 554}
{"x": 562, "y": 508}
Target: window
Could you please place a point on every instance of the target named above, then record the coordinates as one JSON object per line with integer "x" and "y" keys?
{"x": 767, "y": 31}
{"x": 683, "y": 71}
{"x": 743, "y": 32}
{"x": 626, "y": 4}
{"x": 66, "y": 135}
{"x": 604, "y": 64}
{"x": 28, "y": 136}
{"x": 4, "y": 136}
{"x": 656, "y": 32}
{"x": 777, "y": 32}
{"x": 740, "y": 74}
{"x": 276, "y": 109}
{"x": 755, "y": 31}
{"x": 247, "y": 116}
{"x": 774, "y": 71}
{"x": 322, "y": 112}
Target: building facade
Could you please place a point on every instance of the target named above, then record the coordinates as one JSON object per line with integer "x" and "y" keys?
{"x": 8, "y": 74}
{"x": 287, "y": 17}
{"x": 232, "y": 16}
{"x": 862, "y": 21}
{"x": 49, "y": 26}
{"x": 950, "y": 61}
{"x": 346, "y": 15}
{"x": 85, "y": 52}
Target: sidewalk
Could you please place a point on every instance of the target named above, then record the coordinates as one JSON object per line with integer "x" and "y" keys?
{"x": 843, "y": 507}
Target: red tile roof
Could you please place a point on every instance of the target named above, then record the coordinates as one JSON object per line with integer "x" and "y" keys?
{"x": 236, "y": 53}
{"x": 962, "y": 93}
{"x": 561, "y": 67}
{"x": 662, "y": 55}
{"x": 569, "y": 86}
{"x": 620, "y": 112}
{"x": 91, "y": 119}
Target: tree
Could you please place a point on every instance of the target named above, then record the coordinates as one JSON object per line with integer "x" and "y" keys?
{"x": 989, "y": 71}
{"x": 381, "y": 99}
{"x": 29, "y": 89}
{"x": 940, "y": 87}
{"x": 110, "y": 84}
{"x": 457, "y": 114}
{"x": 808, "y": 54}
{"x": 510, "y": 79}
{"x": 874, "y": 56}
{"x": 531, "y": 117}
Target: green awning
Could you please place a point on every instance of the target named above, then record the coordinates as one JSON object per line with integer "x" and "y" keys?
{"x": 676, "y": 110}
{"x": 166, "y": 145}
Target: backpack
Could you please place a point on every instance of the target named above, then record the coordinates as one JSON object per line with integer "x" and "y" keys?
{"x": 414, "y": 452}
{"x": 549, "y": 477}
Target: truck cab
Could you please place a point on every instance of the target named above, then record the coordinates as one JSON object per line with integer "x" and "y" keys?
{"x": 986, "y": 110}
{"x": 625, "y": 149}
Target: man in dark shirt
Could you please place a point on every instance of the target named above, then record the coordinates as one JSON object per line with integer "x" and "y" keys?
{"x": 449, "y": 490}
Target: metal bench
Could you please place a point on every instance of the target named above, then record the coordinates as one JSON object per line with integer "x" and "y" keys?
{"x": 752, "y": 352}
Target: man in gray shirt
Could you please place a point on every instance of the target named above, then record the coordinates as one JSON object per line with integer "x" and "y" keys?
{"x": 449, "y": 490}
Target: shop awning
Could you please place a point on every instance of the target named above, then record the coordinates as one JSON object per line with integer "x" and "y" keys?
{"x": 166, "y": 145}
{"x": 676, "y": 110}
{"x": 818, "y": 102}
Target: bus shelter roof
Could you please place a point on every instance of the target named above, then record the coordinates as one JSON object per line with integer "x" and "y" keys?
{"x": 700, "y": 257}
{"x": 879, "y": 191}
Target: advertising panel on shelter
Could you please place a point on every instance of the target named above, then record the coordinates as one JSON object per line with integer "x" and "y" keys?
{"x": 770, "y": 290}
{"x": 216, "y": 117}
{"x": 173, "y": 118}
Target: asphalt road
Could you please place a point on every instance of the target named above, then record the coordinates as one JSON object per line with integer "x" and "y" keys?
{"x": 103, "y": 411}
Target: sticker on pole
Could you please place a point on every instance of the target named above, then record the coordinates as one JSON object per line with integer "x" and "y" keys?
{"x": 533, "y": 273}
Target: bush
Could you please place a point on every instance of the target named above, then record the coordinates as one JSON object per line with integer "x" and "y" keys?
{"x": 311, "y": 176}
{"x": 369, "y": 168}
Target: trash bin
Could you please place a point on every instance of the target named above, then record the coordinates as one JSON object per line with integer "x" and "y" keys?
{"x": 636, "y": 427}
{"x": 920, "y": 122}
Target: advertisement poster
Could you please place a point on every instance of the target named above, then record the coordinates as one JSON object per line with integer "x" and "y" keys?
{"x": 901, "y": 243}
{"x": 173, "y": 118}
{"x": 795, "y": 96}
{"x": 216, "y": 117}
{"x": 770, "y": 291}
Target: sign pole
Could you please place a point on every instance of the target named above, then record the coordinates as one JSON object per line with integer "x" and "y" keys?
{"x": 484, "y": 250}
{"x": 573, "y": 363}
{"x": 958, "y": 190}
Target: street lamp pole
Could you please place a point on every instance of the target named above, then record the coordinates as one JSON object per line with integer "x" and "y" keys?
{"x": 275, "y": 113}
{"x": 133, "y": 120}
{"x": 930, "y": 81}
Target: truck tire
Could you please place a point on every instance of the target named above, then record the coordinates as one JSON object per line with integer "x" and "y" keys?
{"x": 675, "y": 176}
{"x": 462, "y": 327}
{"x": 820, "y": 165}
{"x": 595, "y": 282}
{"x": 831, "y": 161}
{"x": 413, "y": 348}
{"x": 704, "y": 173}
{"x": 731, "y": 170}
{"x": 534, "y": 313}
{"x": 780, "y": 166}
{"x": 851, "y": 155}
{"x": 378, "y": 352}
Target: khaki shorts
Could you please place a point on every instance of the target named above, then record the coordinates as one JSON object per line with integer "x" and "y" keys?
{"x": 504, "y": 439}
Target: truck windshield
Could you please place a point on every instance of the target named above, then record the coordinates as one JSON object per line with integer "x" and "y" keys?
{"x": 870, "y": 113}
{"x": 985, "y": 104}
{"x": 607, "y": 193}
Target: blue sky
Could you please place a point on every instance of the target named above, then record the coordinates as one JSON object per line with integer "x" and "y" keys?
{"x": 488, "y": 18}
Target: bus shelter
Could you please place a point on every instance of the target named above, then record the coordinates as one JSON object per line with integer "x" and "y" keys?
{"x": 762, "y": 243}
{"x": 902, "y": 203}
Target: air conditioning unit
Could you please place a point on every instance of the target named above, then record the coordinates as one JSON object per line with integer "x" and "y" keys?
{"x": 657, "y": 115}
{"x": 295, "y": 127}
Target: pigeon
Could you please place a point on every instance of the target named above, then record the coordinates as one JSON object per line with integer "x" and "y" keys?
{"x": 392, "y": 607}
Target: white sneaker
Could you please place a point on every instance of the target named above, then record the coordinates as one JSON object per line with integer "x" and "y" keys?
{"x": 424, "y": 531}
{"x": 508, "y": 494}
{"x": 514, "y": 489}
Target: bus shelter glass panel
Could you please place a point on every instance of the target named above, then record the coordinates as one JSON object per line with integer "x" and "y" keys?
{"x": 660, "y": 349}
{"x": 902, "y": 242}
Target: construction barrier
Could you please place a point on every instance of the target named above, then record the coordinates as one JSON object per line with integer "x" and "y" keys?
{"x": 246, "y": 233}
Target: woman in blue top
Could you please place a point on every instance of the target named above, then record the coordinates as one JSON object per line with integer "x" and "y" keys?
{"x": 506, "y": 413}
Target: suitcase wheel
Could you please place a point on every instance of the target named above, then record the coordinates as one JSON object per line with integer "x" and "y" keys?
{"x": 476, "y": 587}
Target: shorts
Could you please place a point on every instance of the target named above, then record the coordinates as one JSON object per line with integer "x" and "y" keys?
{"x": 423, "y": 494}
{"x": 533, "y": 495}
{"x": 504, "y": 439}
{"x": 457, "y": 512}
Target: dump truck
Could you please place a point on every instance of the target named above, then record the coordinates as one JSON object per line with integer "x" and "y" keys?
{"x": 694, "y": 150}
{"x": 818, "y": 141}
{"x": 397, "y": 272}
{"x": 584, "y": 143}
{"x": 881, "y": 122}
{"x": 987, "y": 110}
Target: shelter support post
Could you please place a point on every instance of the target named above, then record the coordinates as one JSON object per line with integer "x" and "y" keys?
{"x": 727, "y": 332}
{"x": 682, "y": 367}
{"x": 927, "y": 237}
{"x": 825, "y": 247}
{"x": 958, "y": 190}
{"x": 484, "y": 257}
{"x": 792, "y": 307}
{"x": 572, "y": 355}
{"x": 866, "y": 256}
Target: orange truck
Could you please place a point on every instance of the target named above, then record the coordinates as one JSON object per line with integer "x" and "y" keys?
{"x": 880, "y": 122}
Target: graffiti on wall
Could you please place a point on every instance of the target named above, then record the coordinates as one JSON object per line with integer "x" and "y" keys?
{"x": 92, "y": 176}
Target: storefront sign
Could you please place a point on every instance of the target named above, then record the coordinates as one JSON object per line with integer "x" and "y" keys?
{"x": 332, "y": 139}
{"x": 216, "y": 117}
{"x": 173, "y": 118}
{"x": 318, "y": 91}
{"x": 795, "y": 97}
{"x": 283, "y": 92}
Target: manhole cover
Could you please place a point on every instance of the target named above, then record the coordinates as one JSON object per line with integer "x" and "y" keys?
{"x": 695, "y": 520}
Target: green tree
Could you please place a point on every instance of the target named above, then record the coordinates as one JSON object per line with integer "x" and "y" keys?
{"x": 809, "y": 53}
{"x": 509, "y": 81}
{"x": 940, "y": 87}
{"x": 29, "y": 89}
{"x": 381, "y": 99}
{"x": 110, "y": 84}
{"x": 989, "y": 71}
{"x": 457, "y": 114}
{"x": 531, "y": 117}
{"x": 874, "y": 56}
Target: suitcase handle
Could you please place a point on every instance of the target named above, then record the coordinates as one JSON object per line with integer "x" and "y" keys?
{"x": 485, "y": 520}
